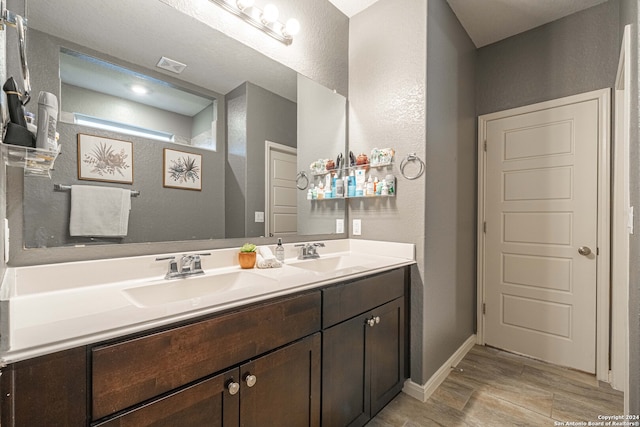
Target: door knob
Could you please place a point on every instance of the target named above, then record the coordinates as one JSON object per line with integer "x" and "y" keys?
{"x": 371, "y": 322}
{"x": 250, "y": 380}
{"x": 584, "y": 250}
{"x": 233, "y": 387}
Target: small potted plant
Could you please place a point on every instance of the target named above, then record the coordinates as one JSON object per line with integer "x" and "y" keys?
{"x": 247, "y": 255}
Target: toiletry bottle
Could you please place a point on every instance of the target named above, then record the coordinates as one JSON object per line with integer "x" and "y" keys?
{"x": 391, "y": 183}
{"x": 320, "y": 192}
{"x": 314, "y": 192}
{"x": 47, "y": 121}
{"x": 369, "y": 189}
{"x": 351, "y": 187}
{"x": 339, "y": 188}
{"x": 384, "y": 191}
{"x": 280, "y": 251}
{"x": 309, "y": 195}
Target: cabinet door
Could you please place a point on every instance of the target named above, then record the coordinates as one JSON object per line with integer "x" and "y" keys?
{"x": 49, "y": 390}
{"x": 345, "y": 379}
{"x": 362, "y": 365}
{"x": 207, "y": 403}
{"x": 283, "y": 388}
{"x": 386, "y": 353}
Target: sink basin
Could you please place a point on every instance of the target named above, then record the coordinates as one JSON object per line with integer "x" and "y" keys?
{"x": 193, "y": 288}
{"x": 342, "y": 264}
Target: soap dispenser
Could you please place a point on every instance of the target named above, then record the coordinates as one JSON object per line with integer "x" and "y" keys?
{"x": 280, "y": 251}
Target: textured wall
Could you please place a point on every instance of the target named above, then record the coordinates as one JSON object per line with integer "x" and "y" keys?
{"x": 387, "y": 108}
{"x": 450, "y": 220}
{"x": 630, "y": 14}
{"x": 398, "y": 50}
{"x": 573, "y": 55}
{"x": 319, "y": 51}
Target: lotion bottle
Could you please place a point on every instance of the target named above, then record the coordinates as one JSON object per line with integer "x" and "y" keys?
{"x": 280, "y": 251}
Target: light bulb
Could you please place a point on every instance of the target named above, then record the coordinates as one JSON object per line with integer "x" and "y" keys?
{"x": 270, "y": 13}
{"x": 292, "y": 27}
{"x": 243, "y": 4}
{"x": 140, "y": 90}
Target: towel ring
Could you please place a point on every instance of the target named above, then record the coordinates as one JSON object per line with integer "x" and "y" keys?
{"x": 302, "y": 176}
{"x": 412, "y": 157}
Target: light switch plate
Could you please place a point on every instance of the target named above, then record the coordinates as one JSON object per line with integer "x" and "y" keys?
{"x": 357, "y": 227}
{"x": 259, "y": 216}
{"x": 339, "y": 225}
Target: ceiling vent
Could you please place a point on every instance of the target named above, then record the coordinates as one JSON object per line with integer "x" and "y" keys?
{"x": 171, "y": 65}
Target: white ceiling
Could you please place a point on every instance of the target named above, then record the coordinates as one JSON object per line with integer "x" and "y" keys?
{"x": 488, "y": 21}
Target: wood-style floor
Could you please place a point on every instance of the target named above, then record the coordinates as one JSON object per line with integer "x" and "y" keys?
{"x": 490, "y": 387}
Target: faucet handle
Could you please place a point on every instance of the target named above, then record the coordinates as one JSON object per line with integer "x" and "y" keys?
{"x": 173, "y": 265}
{"x": 197, "y": 262}
{"x": 319, "y": 244}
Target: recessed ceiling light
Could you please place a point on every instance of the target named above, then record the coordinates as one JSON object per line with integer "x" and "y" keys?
{"x": 140, "y": 90}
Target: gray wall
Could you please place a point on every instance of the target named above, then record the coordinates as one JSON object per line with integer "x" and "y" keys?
{"x": 450, "y": 220}
{"x": 255, "y": 115}
{"x": 573, "y": 55}
{"x": 236, "y": 163}
{"x": 322, "y": 132}
{"x": 629, "y": 14}
{"x": 397, "y": 49}
{"x": 269, "y": 118}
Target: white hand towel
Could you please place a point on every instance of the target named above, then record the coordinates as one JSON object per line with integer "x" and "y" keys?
{"x": 99, "y": 211}
{"x": 266, "y": 259}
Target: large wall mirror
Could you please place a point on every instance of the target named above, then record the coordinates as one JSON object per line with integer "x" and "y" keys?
{"x": 231, "y": 107}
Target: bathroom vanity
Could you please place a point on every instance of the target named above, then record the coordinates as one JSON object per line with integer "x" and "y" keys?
{"x": 330, "y": 350}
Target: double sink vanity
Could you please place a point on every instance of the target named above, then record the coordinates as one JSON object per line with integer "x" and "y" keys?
{"x": 113, "y": 343}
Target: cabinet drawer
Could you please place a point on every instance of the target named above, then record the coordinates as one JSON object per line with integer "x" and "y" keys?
{"x": 344, "y": 301}
{"x": 129, "y": 372}
{"x": 205, "y": 403}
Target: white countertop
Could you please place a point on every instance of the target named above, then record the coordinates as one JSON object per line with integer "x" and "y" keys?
{"x": 48, "y": 308}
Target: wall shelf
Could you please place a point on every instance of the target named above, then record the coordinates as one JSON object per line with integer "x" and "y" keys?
{"x": 348, "y": 168}
{"x": 34, "y": 161}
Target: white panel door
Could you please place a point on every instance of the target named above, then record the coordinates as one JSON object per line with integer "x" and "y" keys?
{"x": 282, "y": 204}
{"x": 541, "y": 206}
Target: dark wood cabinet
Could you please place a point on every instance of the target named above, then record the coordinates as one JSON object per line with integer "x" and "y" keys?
{"x": 287, "y": 387}
{"x": 129, "y": 372}
{"x": 281, "y": 388}
{"x": 207, "y": 403}
{"x": 363, "y": 364}
{"x": 49, "y": 390}
{"x": 333, "y": 357}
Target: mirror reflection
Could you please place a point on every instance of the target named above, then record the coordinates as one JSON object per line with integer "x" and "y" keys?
{"x": 242, "y": 123}
{"x": 103, "y": 95}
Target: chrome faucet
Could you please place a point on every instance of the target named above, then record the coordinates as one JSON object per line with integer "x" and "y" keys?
{"x": 309, "y": 250}
{"x": 190, "y": 265}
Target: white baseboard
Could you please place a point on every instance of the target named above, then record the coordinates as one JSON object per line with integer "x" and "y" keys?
{"x": 423, "y": 392}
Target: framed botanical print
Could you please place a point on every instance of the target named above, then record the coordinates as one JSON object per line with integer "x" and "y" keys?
{"x": 105, "y": 159}
{"x": 182, "y": 170}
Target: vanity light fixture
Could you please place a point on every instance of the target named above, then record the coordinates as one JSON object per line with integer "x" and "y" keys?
{"x": 265, "y": 20}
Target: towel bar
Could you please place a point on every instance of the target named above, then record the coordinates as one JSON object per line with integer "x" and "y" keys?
{"x": 60, "y": 187}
